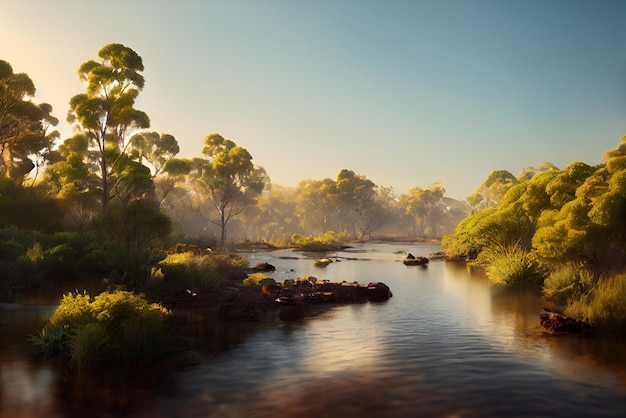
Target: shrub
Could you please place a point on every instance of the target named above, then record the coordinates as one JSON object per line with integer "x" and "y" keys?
{"x": 255, "y": 279}
{"x": 113, "y": 329}
{"x": 327, "y": 242}
{"x": 604, "y": 305}
{"x": 189, "y": 270}
{"x": 567, "y": 282}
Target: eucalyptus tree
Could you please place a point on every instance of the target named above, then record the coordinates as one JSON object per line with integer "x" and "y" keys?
{"x": 495, "y": 187}
{"x": 24, "y": 125}
{"x": 227, "y": 178}
{"x": 106, "y": 112}
{"x": 316, "y": 206}
{"x": 273, "y": 218}
{"x": 355, "y": 197}
{"x": 419, "y": 204}
{"x": 70, "y": 179}
{"x": 154, "y": 148}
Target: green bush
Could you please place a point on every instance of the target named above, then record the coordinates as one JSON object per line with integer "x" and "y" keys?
{"x": 604, "y": 305}
{"x": 189, "y": 270}
{"x": 326, "y": 242}
{"x": 567, "y": 282}
{"x": 113, "y": 329}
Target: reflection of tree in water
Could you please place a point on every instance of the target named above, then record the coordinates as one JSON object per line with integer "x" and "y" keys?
{"x": 520, "y": 305}
{"x": 570, "y": 354}
{"x": 606, "y": 352}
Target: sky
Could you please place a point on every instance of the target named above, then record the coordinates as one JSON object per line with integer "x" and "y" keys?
{"x": 406, "y": 93}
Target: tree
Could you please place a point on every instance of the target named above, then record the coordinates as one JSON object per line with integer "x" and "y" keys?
{"x": 227, "y": 177}
{"x": 69, "y": 179}
{"x": 24, "y": 125}
{"x": 105, "y": 112}
{"x": 495, "y": 186}
{"x": 419, "y": 204}
{"x": 316, "y": 206}
{"x": 355, "y": 197}
{"x": 154, "y": 148}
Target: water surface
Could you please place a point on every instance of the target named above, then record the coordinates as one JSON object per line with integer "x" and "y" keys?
{"x": 447, "y": 344}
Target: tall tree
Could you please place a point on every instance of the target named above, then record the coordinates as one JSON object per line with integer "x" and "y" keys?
{"x": 105, "y": 112}
{"x": 419, "y": 204}
{"x": 24, "y": 125}
{"x": 228, "y": 178}
{"x": 355, "y": 196}
{"x": 316, "y": 206}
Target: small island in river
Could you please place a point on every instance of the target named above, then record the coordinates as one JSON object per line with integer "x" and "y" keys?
{"x": 291, "y": 299}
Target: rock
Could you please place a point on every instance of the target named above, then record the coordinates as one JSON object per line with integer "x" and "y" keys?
{"x": 557, "y": 323}
{"x": 261, "y": 268}
{"x": 292, "y": 299}
{"x": 415, "y": 261}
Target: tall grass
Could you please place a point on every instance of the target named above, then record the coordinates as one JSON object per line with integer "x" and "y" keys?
{"x": 567, "y": 282}
{"x": 604, "y": 305}
{"x": 114, "y": 329}
{"x": 189, "y": 270}
{"x": 511, "y": 265}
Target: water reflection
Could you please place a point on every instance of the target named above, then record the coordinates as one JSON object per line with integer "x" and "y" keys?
{"x": 448, "y": 343}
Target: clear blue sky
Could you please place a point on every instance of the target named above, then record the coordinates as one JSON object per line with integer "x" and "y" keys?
{"x": 407, "y": 93}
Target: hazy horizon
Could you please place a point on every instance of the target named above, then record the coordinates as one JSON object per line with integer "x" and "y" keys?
{"x": 407, "y": 93}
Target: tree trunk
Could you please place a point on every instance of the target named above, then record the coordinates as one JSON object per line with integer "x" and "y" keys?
{"x": 105, "y": 186}
{"x": 223, "y": 238}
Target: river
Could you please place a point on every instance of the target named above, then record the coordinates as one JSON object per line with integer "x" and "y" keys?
{"x": 447, "y": 344}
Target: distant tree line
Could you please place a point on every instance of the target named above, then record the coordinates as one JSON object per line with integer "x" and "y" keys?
{"x": 106, "y": 200}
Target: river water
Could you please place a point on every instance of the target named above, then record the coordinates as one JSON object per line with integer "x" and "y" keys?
{"x": 447, "y": 344}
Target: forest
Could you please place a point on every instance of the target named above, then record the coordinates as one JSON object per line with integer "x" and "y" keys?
{"x": 112, "y": 200}
{"x": 116, "y": 188}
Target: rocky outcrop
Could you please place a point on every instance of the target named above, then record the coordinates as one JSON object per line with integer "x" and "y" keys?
{"x": 411, "y": 260}
{"x": 291, "y": 300}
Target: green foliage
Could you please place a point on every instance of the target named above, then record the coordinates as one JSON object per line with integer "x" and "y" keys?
{"x": 113, "y": 329}
{"x": 256, "y": 279}
{"x": 511, "y": 266}
{"x": 113, "y": 85}
{"x": 140, "y": 223}
{"x": 469, "y": 238}
{"x": 566, "y": 283}
{"x": 24, "y": 136}
{"x": 327, "y": 242}
{"x": 198, "y": 272}
{"x": 29, "y": 258}
{"x": 604, "y": 305}
{"x": 227, "y": 179}
{"x": 28, "y": 208}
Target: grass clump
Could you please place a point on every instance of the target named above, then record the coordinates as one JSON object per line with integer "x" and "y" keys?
{"x": 198, "y": 272}
{"x": 510, "y": 266}
{"x": 117, "y": 329}
{"x": 567, "y": 282}
{"x": 604, "y": 305}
